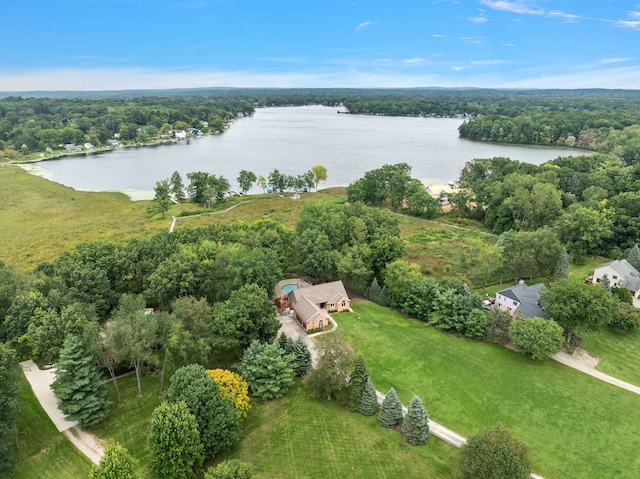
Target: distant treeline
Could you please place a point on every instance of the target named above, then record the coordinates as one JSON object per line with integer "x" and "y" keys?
{"x": 577, "y": 118}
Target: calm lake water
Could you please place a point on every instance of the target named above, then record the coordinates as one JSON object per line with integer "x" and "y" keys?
{"x": 293, "y": 139}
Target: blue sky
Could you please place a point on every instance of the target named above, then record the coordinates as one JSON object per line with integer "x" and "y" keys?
{"x": 133, "y": 44}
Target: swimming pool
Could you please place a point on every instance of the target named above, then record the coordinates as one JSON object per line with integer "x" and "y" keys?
{"x": 287, "y": 288}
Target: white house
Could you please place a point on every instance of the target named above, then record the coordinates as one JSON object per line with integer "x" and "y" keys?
{"x": 521, "y": 299}
{"x": 440, "y": 193}
{"x": 621, "y": 274}
{"x": 180, "y": 134}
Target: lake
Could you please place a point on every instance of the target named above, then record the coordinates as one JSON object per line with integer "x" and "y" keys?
{"x": 293, "y": 139}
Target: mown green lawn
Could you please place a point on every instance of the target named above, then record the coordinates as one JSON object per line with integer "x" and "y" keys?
{"x": 576, "y": 426}
{"x": 43, "y": 451}
{"x": 293, "y": 437}
{"x": 299, "y": 437}
{"x": 619, "y": 353}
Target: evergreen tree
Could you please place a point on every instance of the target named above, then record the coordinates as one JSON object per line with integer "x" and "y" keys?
{"x": 217, "y": 420}
{"x": 303, "y": 361}
{"x": 175, "y": 450}
{"x": 268, "y": 370}
{"x": 357, "y": 382}
{"x": 78, "y": 385}
{"x": 606, "y": 282}
{"x": 369, "y": 401}
{"x": 415, "y": 427}
{"x": 633, "y": 256}
{"x": 282, "y": 341}
{"x": 177, "y": 187}
{"x": 373, "y": 292}
{"x": 116, "y": 463}
{"x": 383, "y": 296}
{"x": 391, "y": 410}
{"x": 562, "y": 265}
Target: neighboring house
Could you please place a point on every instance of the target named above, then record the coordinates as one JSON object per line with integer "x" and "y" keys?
{"x": 521, "y": 299}
{"x": 72, "y": 147}
{"x": 312, "y": 304}
{"x": 621, "y": 274}
{"x": 180, "y": 134}
{"x": 440, "y": 193}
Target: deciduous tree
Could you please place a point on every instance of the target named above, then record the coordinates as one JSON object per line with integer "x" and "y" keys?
{"x": 494, "y": 454}
{"x": 116, "y": 463}
{"x": 9, "y": 391}
{"x": 216, "y": 417}
{"x": 161, "y": 197}
{"x": 319, "y": 174}
{"x": 335, "y": 362}
{"x": 536, "y": 336}
{"x": 175, "y": 450}
{"x": 245, "y": 180}
{"x": 229, "y": 469}
{"x": 234, "y": 388}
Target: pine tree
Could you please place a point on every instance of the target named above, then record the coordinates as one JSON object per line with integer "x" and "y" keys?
{"x": 374, "y": 291}
{"x": 78, "y": 385}
{"x": 369, "y": 401}
{"x": 383, "y": 297}
{"x": 415, "y": 427}
{"x": 357, "y": 383}
{"x": 303, "y": 360}
{"x": 606, "y": 282}
{"x": 562, "y": 265}
{"x": 391, "y": 410}
{"x": 633, "y": 256}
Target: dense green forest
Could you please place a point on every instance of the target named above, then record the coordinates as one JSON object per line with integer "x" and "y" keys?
{"x": 601, "y": 120}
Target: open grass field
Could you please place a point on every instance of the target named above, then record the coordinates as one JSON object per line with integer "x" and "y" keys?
{"x": 620, "y": 353}
{"x": 43, "y": 451}
{"x": 576, "y": 426}
{"x": 299, "y": 437}
{"x": 295, "y": 436}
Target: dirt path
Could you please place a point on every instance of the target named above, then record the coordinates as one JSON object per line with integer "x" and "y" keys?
{"x": 40, "y": 381}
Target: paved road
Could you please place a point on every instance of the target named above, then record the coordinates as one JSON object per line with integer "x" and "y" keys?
{"x": 572, "y": 362}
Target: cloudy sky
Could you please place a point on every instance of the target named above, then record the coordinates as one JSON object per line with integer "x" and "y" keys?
{"x": 149, "y": 44}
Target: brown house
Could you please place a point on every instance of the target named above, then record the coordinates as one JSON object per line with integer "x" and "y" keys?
{"x": 312, "y": 304}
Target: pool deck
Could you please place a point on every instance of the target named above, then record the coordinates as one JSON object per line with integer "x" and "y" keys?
{"x": 279, "y": 292}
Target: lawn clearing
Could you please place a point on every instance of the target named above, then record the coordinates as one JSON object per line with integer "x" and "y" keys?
{"x": 619, "y": 353}
{"x": 43, "y": 451}
{"x": 576, "y": 426}
{"x": 129, "y": 424}
{"x": 300, "y": 437}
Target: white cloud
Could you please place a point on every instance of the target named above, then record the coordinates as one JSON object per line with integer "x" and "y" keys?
{"x": 413, "y": 61}
{"x": 459, "y": 68}
{"x": 488, "y": 62}
{"x": 438, "y": 35}
{"x": 478, "y": 19}
{"x": 473, "y": 40}
{"x": 606, "y": 61}
{"x": 520, "y": 7}
{"x": 363, "y": 25}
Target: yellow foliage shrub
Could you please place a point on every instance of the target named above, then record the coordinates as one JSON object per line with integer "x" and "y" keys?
{"x": 234, "y": 388}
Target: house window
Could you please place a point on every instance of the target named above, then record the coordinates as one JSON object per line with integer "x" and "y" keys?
{"x": 321, "y": 323}
{"x": 614, "y": 277}
{"x": 332, "y": 305}
{"x": 344, "y": 304}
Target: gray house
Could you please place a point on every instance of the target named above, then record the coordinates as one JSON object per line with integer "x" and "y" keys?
{"x": 521, "y": 299}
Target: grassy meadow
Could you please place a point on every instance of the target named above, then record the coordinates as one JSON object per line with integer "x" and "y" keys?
{"x": 576, "y": 426}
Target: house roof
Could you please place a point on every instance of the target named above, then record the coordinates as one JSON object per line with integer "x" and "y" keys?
{"x": 306, "y": 300}
{"x": 630, "y": 276}
{"x": 528, "y": 298}
{"x": 436, "y": 190}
